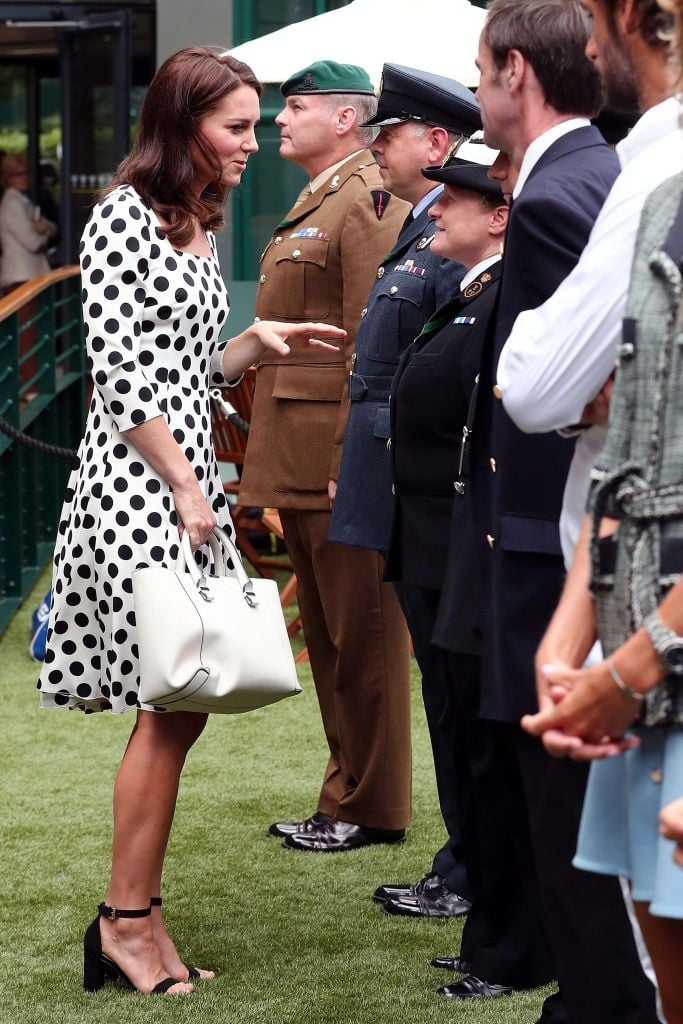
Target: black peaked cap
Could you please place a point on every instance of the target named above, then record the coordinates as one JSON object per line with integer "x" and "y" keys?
{"x": 464, "y": 174}
{"x": 408, "y": 94}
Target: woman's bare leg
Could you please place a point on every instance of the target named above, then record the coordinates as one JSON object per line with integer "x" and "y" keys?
{"x": 664, "y": 939}
{"x": 145, "y": 795}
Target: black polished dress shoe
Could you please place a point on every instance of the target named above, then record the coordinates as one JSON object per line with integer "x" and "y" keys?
{"x": 439, "y": 901}
{"x": 339, "y": 836}
{"x": 288, "y": 828}
{"x": 474, "y": 988}
{"x": 451, "y": 963}
{"x": 396, "y": 892}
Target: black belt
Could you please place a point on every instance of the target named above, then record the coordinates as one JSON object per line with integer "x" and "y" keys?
{"x": 361, "y": 388}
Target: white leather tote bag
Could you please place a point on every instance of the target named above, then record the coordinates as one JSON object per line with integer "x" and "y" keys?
{"x": 211, "y": 643}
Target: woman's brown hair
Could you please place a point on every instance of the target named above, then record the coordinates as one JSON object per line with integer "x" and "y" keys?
{"x": 187, "y": 87}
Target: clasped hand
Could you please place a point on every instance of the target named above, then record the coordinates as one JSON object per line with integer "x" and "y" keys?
{"x": 582, "y": 713}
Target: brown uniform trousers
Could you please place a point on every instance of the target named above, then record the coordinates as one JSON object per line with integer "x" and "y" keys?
{"x": 320, "y": 265}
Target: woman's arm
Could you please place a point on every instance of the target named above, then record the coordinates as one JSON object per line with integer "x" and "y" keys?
{"x": 156, "y": 444}
{"x": 591, "y": 708}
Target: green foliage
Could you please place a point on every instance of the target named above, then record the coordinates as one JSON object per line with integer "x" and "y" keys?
{"x": 294, "y": 936}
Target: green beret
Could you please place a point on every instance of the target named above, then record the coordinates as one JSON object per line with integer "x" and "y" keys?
{"x": 326, "y": 76}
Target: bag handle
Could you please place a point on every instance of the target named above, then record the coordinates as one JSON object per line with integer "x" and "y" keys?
{"x": 222, "y": 548}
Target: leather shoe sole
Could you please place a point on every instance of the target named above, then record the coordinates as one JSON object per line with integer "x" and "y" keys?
{"x": 288, "y": 828}
{"x": 341, "y": 836}
{"x": 451, "y": 963}
{"x": 396, "y": 892}
{"x": 474, "y": 988}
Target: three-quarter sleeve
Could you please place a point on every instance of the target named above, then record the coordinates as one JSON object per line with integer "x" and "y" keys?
{"x": 116, "y": 251}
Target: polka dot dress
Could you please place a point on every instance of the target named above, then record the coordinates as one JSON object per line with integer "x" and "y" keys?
{"x": 153, "y": 316}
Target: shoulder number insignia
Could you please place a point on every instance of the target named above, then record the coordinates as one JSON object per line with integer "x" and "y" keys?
{"x": 380, "y": 200}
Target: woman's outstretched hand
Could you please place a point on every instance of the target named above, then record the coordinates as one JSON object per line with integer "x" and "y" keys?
{"x": 283, "y": 337}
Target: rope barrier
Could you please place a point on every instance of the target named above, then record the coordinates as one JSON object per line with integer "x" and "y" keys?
{"x": 70, "y": 453}
{"x": 33, "y": 442}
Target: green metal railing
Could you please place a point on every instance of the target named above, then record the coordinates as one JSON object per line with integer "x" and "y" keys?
{"x": 43, "y": 395}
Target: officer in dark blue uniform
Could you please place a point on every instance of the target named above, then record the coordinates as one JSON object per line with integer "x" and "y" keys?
{"x": 422, "y": 119}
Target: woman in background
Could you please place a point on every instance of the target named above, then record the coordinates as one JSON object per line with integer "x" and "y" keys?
{"x": 24, "y": 235}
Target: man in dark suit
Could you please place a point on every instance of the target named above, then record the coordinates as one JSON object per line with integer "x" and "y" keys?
{"x": 537, "y": 91}
{"x": 420, "y": 117}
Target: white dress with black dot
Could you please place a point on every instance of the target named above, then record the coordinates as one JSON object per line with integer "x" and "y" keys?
{"x": 153, "y": 316}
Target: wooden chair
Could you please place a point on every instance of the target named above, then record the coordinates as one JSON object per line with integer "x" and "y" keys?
{"x": 271, "y": 519}
{"x": 230, "y": 444}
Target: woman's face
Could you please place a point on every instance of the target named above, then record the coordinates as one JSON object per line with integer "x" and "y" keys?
{"x": 20, "y": 178}
{"x": 461, "y": 222}
{"x": 229, "y": 131}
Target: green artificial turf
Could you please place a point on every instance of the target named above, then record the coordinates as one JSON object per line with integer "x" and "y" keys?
{"x": 295, "y": 936}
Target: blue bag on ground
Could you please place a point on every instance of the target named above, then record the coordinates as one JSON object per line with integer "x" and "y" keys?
{"x": 39, "y": 623}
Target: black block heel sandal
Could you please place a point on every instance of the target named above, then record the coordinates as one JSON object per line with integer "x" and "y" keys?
{"x": 192, "y": 972}
{"x": 99, "y": 968}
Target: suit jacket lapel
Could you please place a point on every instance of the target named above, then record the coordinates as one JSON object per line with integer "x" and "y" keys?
{"x": 579, "y": 138}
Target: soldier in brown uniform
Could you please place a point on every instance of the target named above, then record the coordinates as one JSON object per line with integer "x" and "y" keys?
{"x": 320, "y": 264}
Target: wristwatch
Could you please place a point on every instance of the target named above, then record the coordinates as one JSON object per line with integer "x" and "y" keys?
{"x": 667, "y": 643}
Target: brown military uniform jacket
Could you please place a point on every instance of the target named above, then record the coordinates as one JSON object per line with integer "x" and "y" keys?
{"x": 319, "y": 265}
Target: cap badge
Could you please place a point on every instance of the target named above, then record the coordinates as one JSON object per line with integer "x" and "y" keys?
{"x": 486, "y": 277}
{"x": 380, "y": 200}
{"x": 309, "y": 83}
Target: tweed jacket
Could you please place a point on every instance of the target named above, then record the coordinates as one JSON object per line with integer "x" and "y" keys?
{"x": 23, "y": 248}
{"x": 639, "y": 476}
{"x": 410, "y": 285}
{"x": 319, "y": 265}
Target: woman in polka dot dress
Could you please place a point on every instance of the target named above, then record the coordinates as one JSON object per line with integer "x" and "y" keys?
{"x": 153, "y": 303}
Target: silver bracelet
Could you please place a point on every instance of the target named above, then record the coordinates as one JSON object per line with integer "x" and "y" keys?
{"x": 627, "y": 690}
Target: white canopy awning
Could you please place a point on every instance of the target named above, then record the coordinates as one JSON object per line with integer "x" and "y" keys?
{"x": 439, "y": 35}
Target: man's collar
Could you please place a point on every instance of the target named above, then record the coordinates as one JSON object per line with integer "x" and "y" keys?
{"x": 321, "y": 178}
{"x": 427, "y": 200}
{"x": 655, "y": 123}
{"x": 541, "y": 144}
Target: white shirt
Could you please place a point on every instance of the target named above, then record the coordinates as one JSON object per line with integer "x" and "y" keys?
{"x": 478, "y": 269}
{"x": 559, "y": 355}
{"x": 540, "y": 145}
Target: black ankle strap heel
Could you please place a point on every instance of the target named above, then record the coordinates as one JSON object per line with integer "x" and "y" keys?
{"x": 98, "y": 967}
{"x": 111, "y": 913}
